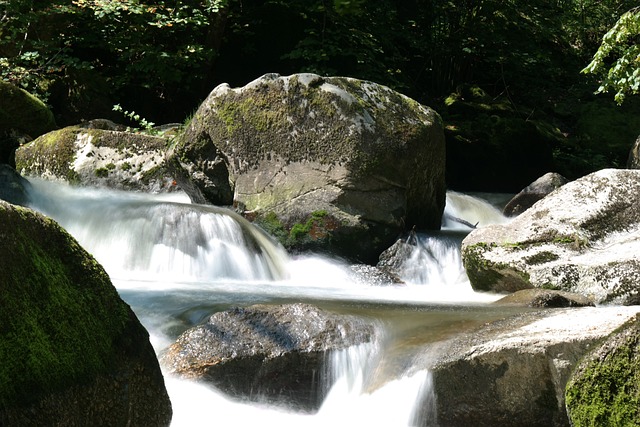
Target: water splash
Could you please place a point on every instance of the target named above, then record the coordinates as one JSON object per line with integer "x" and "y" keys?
{"x": 149, "y": 238}
{"x": 463, "y": 210}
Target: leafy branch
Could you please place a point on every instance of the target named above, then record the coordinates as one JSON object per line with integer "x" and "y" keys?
{"x": 620, "y": 45}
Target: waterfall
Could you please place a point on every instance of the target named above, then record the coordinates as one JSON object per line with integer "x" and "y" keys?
{"x": 142, "y": 237}
{"x": 176, "y": 263}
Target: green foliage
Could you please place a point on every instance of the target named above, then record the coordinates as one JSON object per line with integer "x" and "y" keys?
{"x": 153, "y": 44}
{"x": 617, "y": 60}
{"x": 145, "y": 125}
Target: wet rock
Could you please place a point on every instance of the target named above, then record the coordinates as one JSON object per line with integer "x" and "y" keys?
{"x": 513, "y": 372}
{"x": 395, "y": 257}
{"x": 545, "y": 298}
{"x": 370, "y": 275}
{"x": 342, "y": 163}
{"x": 604, "y": 389}
{"x": 99, "y": 158}
{"x": 13, "y": 187}
{"x": 266, "y": 353}
{"x": 534, "y": 192}
{"x": 73, "y": 352}
{"x": 582, "y": 238}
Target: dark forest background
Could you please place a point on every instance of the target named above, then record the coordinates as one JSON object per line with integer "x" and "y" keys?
{"x": 504, "y": 74}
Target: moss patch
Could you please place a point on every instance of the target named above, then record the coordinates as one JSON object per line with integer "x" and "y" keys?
{"x": 53, "y": 153}
{"x": 605, "y": 390}
{"x": 485, "y": 275}
{"x": 60, "y": 316}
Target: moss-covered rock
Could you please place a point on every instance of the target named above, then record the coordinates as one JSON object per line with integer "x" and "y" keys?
{"x": 22, "y": 118}
{"x": 370, "y": 157}
{"x": 100, "y": 158}
{"x": 605, "y": 388}
{"x": 22, "y": 111}
{"x": 581, "y": 238}
{"x": 72, "y": 351}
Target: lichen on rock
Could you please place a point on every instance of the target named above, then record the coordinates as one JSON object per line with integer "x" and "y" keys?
{"x": 292, "y": 145}
{"x": 100, "y": 158}
{"x": 583, "y": 238}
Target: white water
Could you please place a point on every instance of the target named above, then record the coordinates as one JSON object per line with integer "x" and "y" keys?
{"x": 176, "y": 263}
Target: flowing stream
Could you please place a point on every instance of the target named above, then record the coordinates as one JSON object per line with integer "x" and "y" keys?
{"x": 177, "y": 263}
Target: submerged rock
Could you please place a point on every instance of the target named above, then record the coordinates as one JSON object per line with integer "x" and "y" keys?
{"x": 534, "y": 192}
{"x": 545, "y": 298}
{"x": 513, "y": 372}
{"x": 582, "y": 238}
{"x": 605, "y": 388}
{"x": 266, "y": 353}
{"x": 342, "y": 164}
{"x": 99, "y": 158}
{"x": 73, "y": 352}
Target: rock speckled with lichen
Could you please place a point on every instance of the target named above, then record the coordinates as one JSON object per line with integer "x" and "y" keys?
{"x": 583, "y": 238}
{"x": 368, "y": 157}
{"x": 100, "y": 158}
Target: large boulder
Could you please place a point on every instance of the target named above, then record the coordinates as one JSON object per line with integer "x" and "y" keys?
{"x": 334, "y": 162}
{"x": 100, "y": 158}
{"x": 533, "y": 192}
{"x": 22, "y": 117}
{"x": 266, "y": 353}
{"x": 513, "y": 372}
{"x": 73, "y": 353}
{"x": 582, "y": 238}
{"x": 605, "y": 388}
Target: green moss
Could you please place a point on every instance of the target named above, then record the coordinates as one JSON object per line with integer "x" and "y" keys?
{"x": 273, "y": 226}
{"x": 59, "y": 314}
{"x": 606, "y": 389}
{"x": 541, "y": 258}
{"x": 101, "y": 172}
{"x": 53, "y": 152}
{"x": 485, "y": 275}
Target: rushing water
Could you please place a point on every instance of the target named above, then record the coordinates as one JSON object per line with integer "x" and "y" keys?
{"x": 176, "y": 263}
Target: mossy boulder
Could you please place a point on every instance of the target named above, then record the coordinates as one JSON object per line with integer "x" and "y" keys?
{"x": 370, "y": 158}
{"x": 604, "y": 390}
{"x": 582, "y": 238}
{"x": 72, "y": 351}
{"x": 22, "y": 117}
{"x": 99, "y": 158}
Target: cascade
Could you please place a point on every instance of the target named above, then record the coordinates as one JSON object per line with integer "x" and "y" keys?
{"x": 176, "y": 263}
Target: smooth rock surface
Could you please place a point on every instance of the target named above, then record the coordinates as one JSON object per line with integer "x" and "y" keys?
{"x": 513, "y": 372}
{"x": 266, "y": 353}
